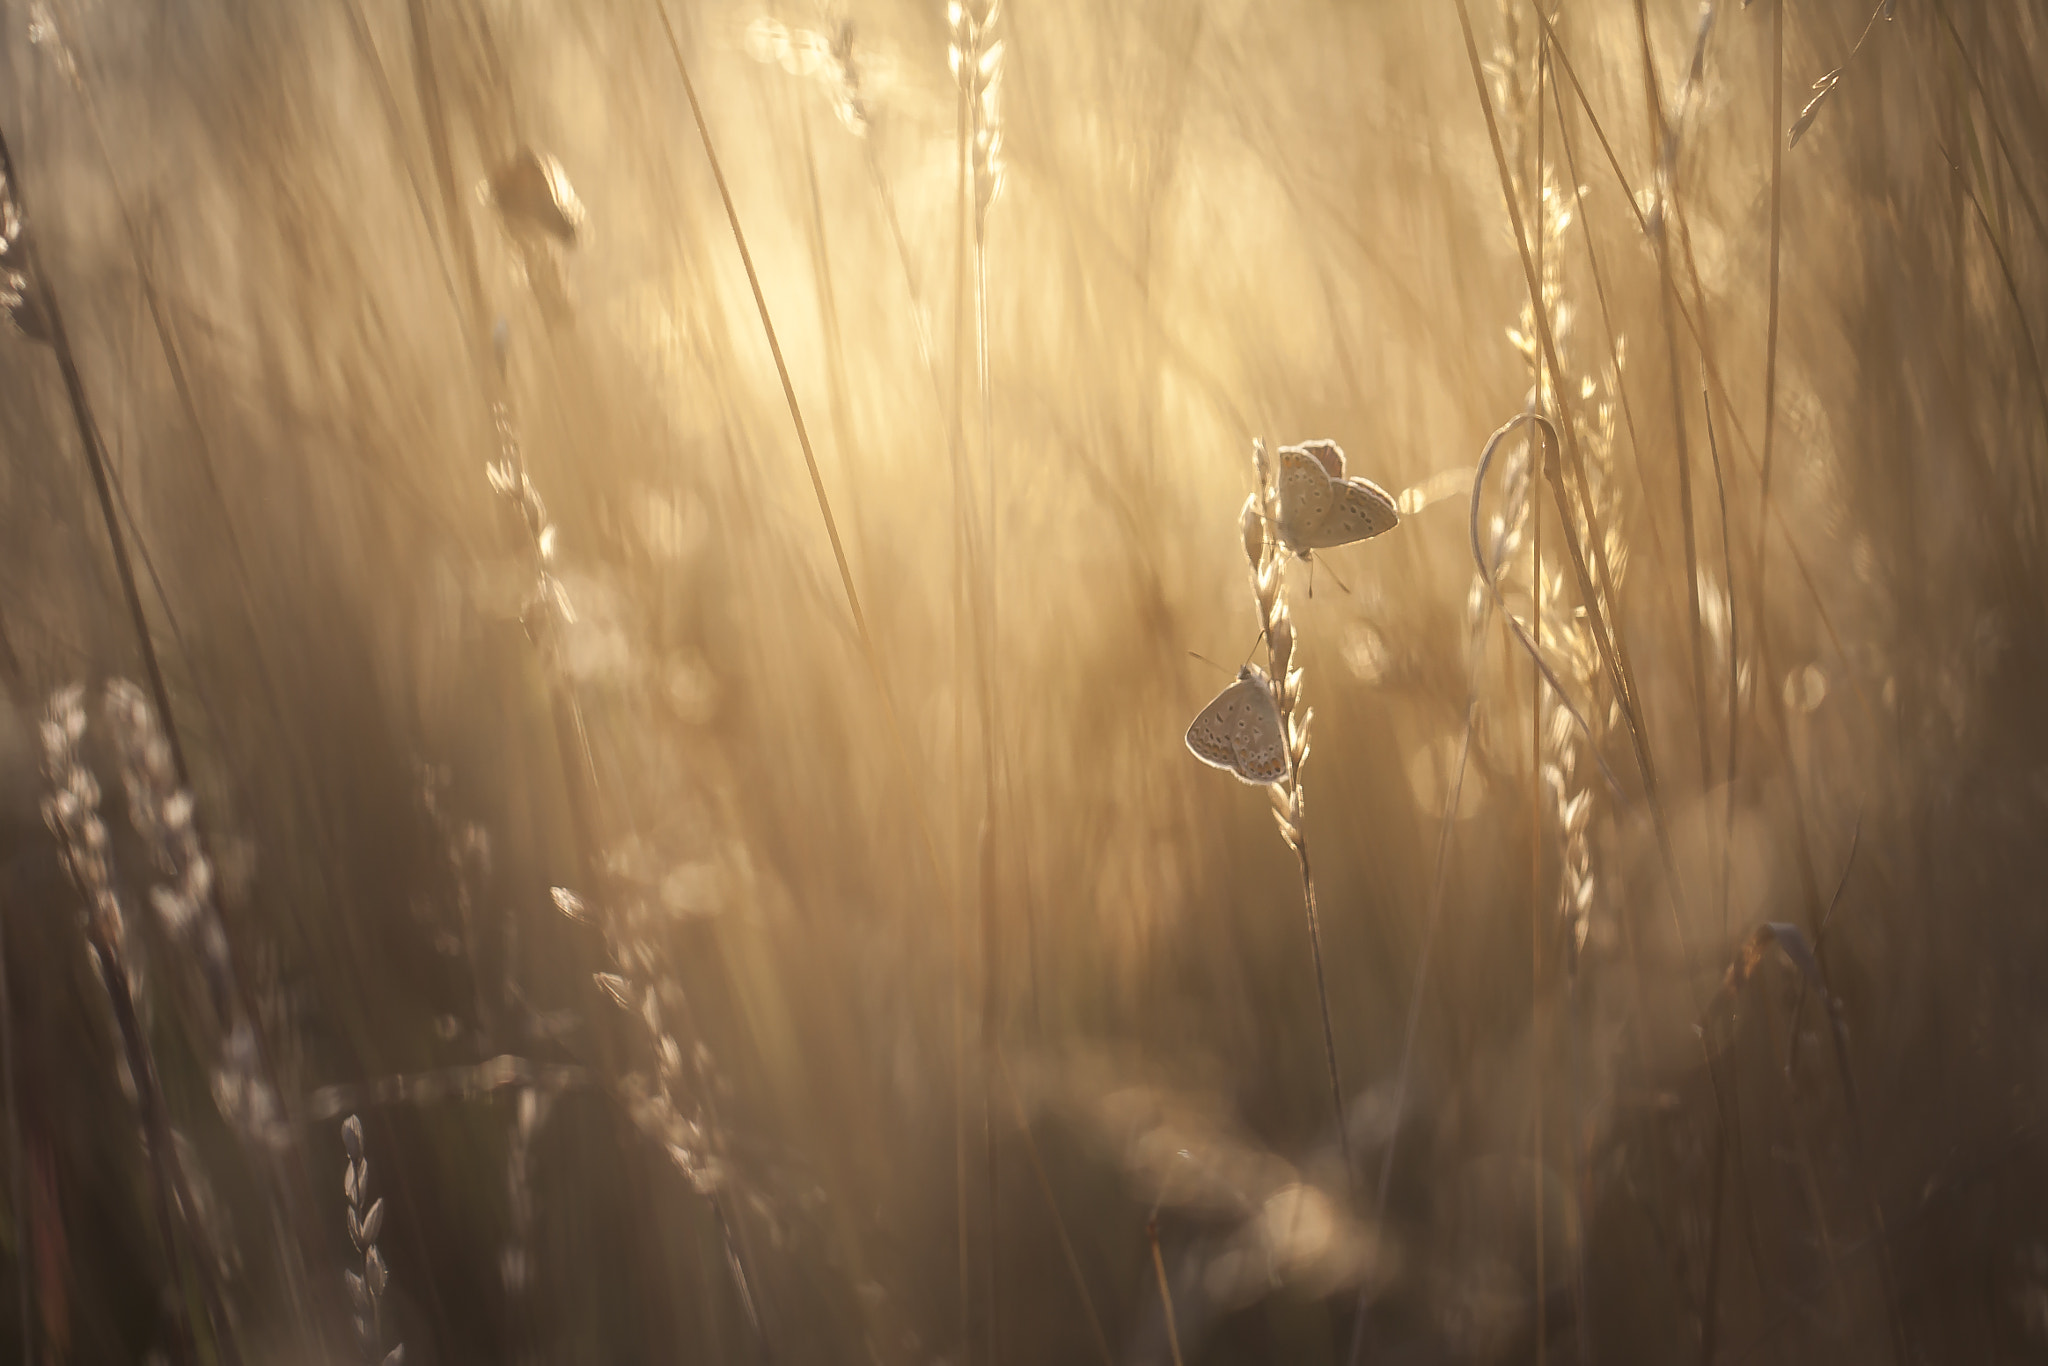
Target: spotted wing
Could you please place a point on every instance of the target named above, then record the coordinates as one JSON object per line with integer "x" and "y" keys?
{"x": 1305, "y": 495}
{"x": 1262, "y": 748}
{"x": 1209, "y": 736}
{"x": 1328, "y": 454}
{"x": 1359, "y": 511}
{"x": 1240, "y": 731}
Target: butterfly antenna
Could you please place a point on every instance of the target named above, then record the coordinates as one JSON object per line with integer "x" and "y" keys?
{"x": 1342, "y": 587}
{"x": 1256, "y": 640}
{"x": 1196, "y": 654}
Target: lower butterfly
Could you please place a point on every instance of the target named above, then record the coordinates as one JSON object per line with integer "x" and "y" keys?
{"x": 1241, "y": 731}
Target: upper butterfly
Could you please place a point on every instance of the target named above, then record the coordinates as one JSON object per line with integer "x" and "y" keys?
{"x": 1320, "y": 508}
{"x": 1241, "y": 730}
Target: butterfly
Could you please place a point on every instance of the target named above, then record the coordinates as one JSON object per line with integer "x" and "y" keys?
{"x": 1241, "y": 730}
{"x": 1320, "y": 508}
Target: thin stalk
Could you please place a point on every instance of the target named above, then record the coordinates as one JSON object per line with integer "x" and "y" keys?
{"x": 1165, "y": 1292}
{"x": 1746, "y": 446}
{"x": 870, "y": 654}
{"x": 1628, "y": 415}
{"x": 72, "y": 810}
{"x": 1624, "y": 672}
{"x": 1536, "y": 916}
{"x": 1536, "y": 921}
{"x": 843, "y": 421}
{"x": 1660, "y": 238}
{"x": 828, "y": 297}
{"x": 963, "y": 572}
{"x": 1860, "y": 1151}
{"x": 990, "y": 635}
{"x": 1709, "y": 1317}
{"x": 1438, "y": 880}
{"x": 582, "y": 789}
{"x": 2012, "y": 291}
{"x": 359, "y": 28}
{"x": 1734, "y": 662}
{"x": 1276, "y": 627}
{"x": 1808, "y": 1173}
{"x": 1073, "y": 1259}
{"x": 1997, "y": 131}
{"x": 1746, "y": 1207}
{"x": 163, "y": 1155}
{"x": 1581, "y": 1182}
{"x": 1315, "y": 944}
{"x": 290, "y": 1178}
{"x": 1614, "y": 646}
{"x": 157, "y": 1141}
{"x": 428, "y": 86}
{"x": 175, "y": 366}
{"x": 164, "y": 1160}
{"x": 1722, "y": 1093}
{"x": 17, "y": 1175}
{"x": 1608, "y": 645}
{"x": 928, "y": 357}
{"x": 1820, "y": 933}
{"x": 1771, "y": 324}
{"x": 865, "y": 636}
{"x": 926, "y": 351}
{"x": 731, "y": 1236}
{"x": 96, "y": 463}
{"x": 1588, "y": 594}
{"x": 1489, "y": 574}
{"x": 966, "y": 647}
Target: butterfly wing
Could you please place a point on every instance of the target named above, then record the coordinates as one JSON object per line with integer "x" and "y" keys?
{"x": 1328, "y": 454}
{"x": 1305, "y": 493}
{"x": 1240, "y": 731}
{"x": 1261, "y": 748}
{"x": 1209, "y": 736}
{"x": 1359, "y": 510}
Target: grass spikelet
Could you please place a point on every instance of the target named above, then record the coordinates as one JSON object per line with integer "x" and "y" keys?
{"x": 162, "y": 811}
{"x": 366, "y": 1288}
{"x": 1832, "y": 80}
{"x": 72, "y": 813}
{"x": 1264, "y": 556}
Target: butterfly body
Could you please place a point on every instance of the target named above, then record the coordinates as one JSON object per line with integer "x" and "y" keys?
{"x": 1320, "y": 507}
{"x": 1241, "y": 731}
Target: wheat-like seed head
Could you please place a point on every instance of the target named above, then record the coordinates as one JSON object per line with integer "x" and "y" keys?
{"x": 548, "y": 610}
{"x": 20, "y": 295}
{"x": 44, "y": 32}
{"x": 72, "y": 808}
{"x": 367, "y": 1287}
{"x": 1265, "y": 557}
{"x": 975, "y": 55}
{"x": 827, "y": 58}
{"x": 642, "y": 982}
{"x": 515, "y": 1260}
{"x": 162, "y": 812}
{"x": 1588, "y": 404}
{"x": 639, "y": 988}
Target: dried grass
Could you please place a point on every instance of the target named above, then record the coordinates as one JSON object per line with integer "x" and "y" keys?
{"x": 962, "y": 1014}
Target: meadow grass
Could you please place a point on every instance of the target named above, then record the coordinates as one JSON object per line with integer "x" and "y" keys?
{"x": 660, "y": 548}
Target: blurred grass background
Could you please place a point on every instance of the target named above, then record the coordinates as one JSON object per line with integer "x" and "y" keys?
{"x": 961, "y": 1013}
